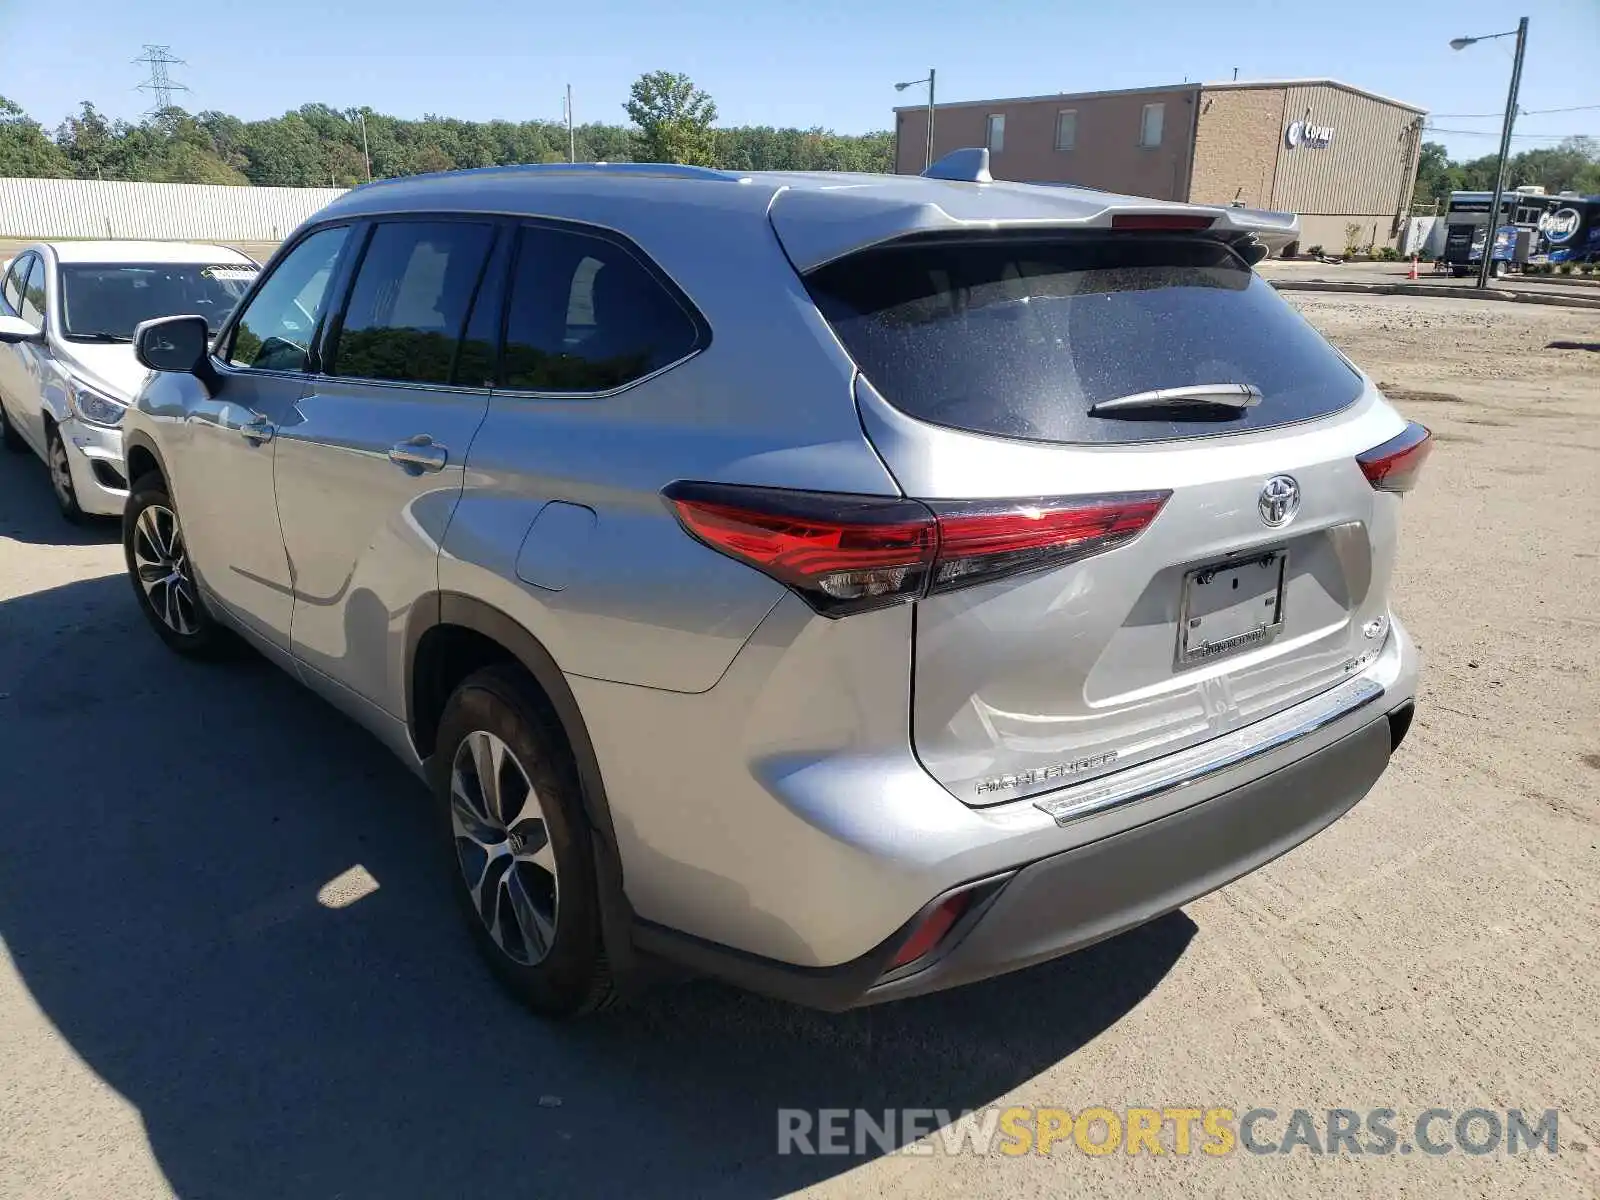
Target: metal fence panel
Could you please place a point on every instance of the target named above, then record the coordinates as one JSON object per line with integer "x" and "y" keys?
{"x": 89, "y": 208}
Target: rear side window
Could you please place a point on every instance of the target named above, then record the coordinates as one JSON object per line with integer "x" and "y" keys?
{"x": 32, "y": 307}
{"x": 16, "y": 276}
{"x": 410, "y": 301}
{"x": 1020, "y": 339}
{"x": 585, "y": 315}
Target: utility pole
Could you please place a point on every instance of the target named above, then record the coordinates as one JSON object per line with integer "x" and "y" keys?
{"x": 1485, "y": 268}
{"x": 366, "y": 158}
{"x": 572, "y": 138}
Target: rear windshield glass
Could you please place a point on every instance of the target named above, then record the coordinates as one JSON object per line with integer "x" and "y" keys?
{"x": 1020, "y": 339}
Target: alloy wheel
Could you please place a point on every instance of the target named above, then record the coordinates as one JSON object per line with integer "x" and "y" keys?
{"x": 503, "y": 847}
{"x": 162, "y": 562}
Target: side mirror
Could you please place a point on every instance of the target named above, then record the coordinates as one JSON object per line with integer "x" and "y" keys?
{"x": 14, "y": 330}
{"x": 173, "y": 344}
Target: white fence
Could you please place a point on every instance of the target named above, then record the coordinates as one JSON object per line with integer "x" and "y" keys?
{"x": 89, "y": 208}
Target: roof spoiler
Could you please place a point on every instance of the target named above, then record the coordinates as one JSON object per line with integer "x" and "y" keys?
{"x": 819, "y": 225}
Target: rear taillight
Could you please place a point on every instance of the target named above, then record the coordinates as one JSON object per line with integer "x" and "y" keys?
{"x": 980, "y": 541}
{"x": 1395, "y": 465}
{"x": 846, "y": 553}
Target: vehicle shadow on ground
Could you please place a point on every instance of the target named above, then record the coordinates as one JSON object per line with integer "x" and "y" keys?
{"x": 28, "y": 511}
{"x": 169, "y": 832}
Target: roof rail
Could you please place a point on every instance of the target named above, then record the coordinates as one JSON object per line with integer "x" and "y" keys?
{"x": 672, "y": 170}
{"x": 666, "y": 170}
{"x": 970, "y": 165}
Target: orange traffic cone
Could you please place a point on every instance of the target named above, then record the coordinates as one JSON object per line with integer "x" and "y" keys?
{"x": 1412, "y": 274}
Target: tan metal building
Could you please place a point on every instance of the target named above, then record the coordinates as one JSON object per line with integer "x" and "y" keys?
{"x": 1336, "y": 155}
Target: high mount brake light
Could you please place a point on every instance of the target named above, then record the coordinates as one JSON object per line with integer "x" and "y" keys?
{"x": 1159, "y": 221}
{"x": 1395, "y": 465}
{"x": 845, "y": 553}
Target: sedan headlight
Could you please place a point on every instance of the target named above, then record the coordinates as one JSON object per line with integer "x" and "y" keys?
{"x": 93, "y": 406}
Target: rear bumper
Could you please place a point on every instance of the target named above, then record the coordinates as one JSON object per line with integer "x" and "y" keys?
{"x": 1070, "y": 900}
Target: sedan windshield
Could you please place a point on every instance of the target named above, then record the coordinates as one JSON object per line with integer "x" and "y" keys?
{"x": 103, "y": 303}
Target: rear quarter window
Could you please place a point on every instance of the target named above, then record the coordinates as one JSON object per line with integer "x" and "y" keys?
{"x": 1021, "y": 338}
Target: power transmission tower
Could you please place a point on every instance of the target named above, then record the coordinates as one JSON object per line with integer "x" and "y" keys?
{"x": 159, "y": 84}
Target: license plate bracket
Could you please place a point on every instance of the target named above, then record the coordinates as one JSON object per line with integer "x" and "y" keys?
{"x": 1230, "y": 607}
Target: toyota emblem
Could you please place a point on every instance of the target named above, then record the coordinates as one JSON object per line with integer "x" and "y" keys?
{"x": 1280, "y": 500}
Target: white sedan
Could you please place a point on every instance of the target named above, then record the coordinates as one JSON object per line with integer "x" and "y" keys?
{"x": 67, "y": 370}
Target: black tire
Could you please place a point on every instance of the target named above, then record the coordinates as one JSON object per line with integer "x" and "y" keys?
{"x": 9, "y": 437}
{"x": 61, "y": 487}
{"x": 572, "y": 977}
{"x": 207, "y": 639}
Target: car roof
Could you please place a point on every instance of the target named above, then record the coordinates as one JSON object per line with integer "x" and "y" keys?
{"x": 513, "y": 189}
{"x": 819, "y": 215}
{"x": 144, "y": 252}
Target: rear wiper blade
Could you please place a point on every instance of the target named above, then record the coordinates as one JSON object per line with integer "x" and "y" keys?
{"x": 99, "y": 336}
{"x": 1229, "y": 397}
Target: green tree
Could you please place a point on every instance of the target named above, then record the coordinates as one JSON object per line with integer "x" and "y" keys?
{"x": 1433, "y": 174}
{"x": 674, "y": 117}
{"x": 284, "y": 152}
{"x": 316, "y": 144}
{"x": 91, "y": 144}
{"x": 24, "y": 147}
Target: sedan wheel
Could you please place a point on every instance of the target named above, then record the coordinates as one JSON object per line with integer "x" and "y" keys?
{"x": 61, "y": 476}
{"x": 503, "y": 846}
{"x": 9, "y": 437}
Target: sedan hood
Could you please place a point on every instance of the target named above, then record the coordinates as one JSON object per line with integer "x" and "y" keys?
{"x": 111, "y": 367}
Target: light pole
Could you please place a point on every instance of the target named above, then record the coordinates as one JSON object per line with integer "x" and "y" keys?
{"x": 572, "y": 143}
{"x": 1461, "y": 43}
{"x": 927, "y": 157}
{"x": 365, "y": 157}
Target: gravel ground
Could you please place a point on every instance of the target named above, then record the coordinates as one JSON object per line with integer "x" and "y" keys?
{"x": 229, "y": 969}
{"x": 1396, "y": 272}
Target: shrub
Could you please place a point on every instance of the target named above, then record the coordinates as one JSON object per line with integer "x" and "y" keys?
{"x": 1352, "y": 238}
{"x": 1388, "y": 254}
{"x": 1316, "y": 252}
{"x": 1566, "y": 268}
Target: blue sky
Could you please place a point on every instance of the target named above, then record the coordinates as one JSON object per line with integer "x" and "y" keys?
{"x": 784, "y": 62}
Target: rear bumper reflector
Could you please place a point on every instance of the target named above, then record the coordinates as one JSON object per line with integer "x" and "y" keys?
{"x": 1196, "y": 763}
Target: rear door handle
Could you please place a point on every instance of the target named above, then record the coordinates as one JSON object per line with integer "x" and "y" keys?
{"x": 257, "y": 430}
{"x": 419, "y": 454}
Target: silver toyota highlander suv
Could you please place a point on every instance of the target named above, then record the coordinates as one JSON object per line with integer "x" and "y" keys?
{"x": 847, "y": 586}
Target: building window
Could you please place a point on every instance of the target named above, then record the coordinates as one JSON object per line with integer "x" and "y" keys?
{"x": 997, "y": 133}
{"x": 1066, "y": 128}
{"x": 1150, "y": 121}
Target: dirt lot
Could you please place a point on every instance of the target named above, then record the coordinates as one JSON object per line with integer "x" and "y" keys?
{"x": 1277, "y": 269}
{"x": 230, "y": 970}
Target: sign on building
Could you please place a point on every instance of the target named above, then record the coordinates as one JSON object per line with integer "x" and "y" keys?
{"x": 1305, "y": 134}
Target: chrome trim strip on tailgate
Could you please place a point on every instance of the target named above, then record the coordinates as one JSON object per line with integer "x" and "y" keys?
{"x": 1192, "y": 765}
